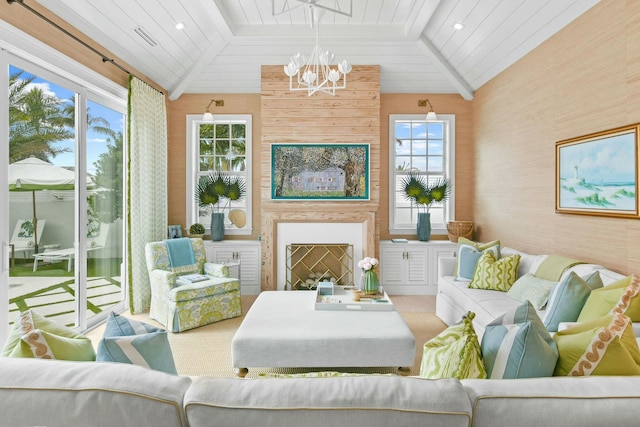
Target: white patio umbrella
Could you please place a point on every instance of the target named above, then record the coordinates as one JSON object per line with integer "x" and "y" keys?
{"x": 33, "y": 175}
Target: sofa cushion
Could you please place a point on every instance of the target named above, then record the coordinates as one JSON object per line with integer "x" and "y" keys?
{"x": 454, "y": 353}
{"x": 528, "y": 263}
{"x": 63, "y": 342}
{"x": 532, "y": 288}
{"x": 517, "y": 345}
{"x": 131, "y": 341}
{"x": 568, "y": 298}
{"x": 355, "y": 401}
{"x": 495, "y": 274}
{"x": 620, "y": 297}
{"x": 603, "y": 346}
{"x": 51, "y": 393}
{"x": 468, "y": 255}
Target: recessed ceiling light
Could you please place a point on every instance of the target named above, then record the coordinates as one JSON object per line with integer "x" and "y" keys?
{"x": 180, "y": 26}
{"x": 458, "y": 25}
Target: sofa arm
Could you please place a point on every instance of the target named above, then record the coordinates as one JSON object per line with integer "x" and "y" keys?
{"x": 162, "y": 281}
{"x": 446, "y": 266}
{"x": 216, "y": 270}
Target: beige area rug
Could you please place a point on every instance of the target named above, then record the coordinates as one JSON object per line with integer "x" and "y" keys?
{"x": 206, "y": 351}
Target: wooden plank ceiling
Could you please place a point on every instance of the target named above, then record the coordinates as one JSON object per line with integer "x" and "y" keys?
{"x": 224, "y": 42}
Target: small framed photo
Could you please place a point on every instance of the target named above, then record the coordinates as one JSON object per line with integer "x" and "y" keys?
{"x": 175, "y": 232}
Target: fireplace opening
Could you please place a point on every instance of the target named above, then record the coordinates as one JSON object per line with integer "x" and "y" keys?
{"x": 309, "y": 264}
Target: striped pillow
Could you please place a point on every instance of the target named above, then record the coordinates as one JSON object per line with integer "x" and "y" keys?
{"x": 454, "y": 353}
{"x": 137, "y": 343}
{"x": 517, "y": 345}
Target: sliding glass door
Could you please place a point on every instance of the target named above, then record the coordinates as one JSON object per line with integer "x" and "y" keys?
{"x": 63, "y": 225}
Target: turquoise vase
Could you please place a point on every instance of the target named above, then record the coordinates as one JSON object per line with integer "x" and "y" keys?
{"x": 423, "y": 228}
{"x": 370, "y": 281}
{"x": 217, "y": 226}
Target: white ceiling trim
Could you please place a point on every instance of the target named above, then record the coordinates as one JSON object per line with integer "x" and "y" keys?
{"x": 421, "y": 20}
{"x": 445, "y": 68}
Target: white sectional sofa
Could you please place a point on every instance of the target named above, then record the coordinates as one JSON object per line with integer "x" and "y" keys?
{"x": 455, "y": 298}
{"x": 79, "y": 394}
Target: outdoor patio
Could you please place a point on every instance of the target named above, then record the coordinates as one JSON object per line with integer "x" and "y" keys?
{"x": 53, "y": 295}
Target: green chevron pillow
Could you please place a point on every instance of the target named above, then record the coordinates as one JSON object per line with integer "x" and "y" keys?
{"x": 454, "y": 353}
{"x": 495, "y": 274}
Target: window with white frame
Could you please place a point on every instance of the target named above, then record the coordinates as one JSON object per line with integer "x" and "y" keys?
{"x": 220, "y": 146}
{"x": 425, "y": 147}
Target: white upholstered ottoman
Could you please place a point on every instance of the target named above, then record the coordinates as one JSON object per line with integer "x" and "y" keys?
{"x": 283, "y": 330}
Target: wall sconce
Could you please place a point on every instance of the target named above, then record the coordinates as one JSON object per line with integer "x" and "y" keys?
{"x": 208, "y": 115}
{"x": 431, "y": 115}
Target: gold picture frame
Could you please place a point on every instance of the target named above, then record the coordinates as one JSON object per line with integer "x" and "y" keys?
{"x": 597, "y": 174}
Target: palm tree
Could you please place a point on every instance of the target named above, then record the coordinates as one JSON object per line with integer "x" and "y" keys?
{"x": 35, "y": 121}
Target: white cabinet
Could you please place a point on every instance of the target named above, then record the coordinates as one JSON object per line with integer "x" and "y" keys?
{"x": 245, "y": 252}
{"x": 411, "y": 268}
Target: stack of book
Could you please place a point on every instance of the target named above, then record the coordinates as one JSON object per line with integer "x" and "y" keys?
{"x": 193, "y": 278}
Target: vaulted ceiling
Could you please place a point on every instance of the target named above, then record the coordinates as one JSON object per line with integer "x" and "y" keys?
{"x": 224, "y": 42}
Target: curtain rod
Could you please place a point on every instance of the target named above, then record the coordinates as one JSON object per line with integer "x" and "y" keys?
{"x": 82, "y": 42}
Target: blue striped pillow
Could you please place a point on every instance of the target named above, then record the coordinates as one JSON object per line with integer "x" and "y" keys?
{"x": 131, "y": 341}
{"x": 517, "y": 345}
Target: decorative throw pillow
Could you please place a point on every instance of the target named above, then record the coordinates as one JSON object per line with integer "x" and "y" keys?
{"x": 619, "y": 297}
{"x": 137, "y": 343}
{"x": 118, "y": 326}
{"x": 497, "y": 275}
{"x": 454, "y": 353}
{"x": 568, "y": 298}
{"x": 44, "y": 345}
{"x": 62, "y": 342}
{"x": 468, "y": 255}
{"x": 603, "y": 346}
{"x": 517, "y": 345}
{"x": 150, "y": 350}
{"x": 532, "y": 288}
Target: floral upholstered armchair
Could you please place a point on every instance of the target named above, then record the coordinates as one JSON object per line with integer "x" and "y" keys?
{"x": 179, "y": 304}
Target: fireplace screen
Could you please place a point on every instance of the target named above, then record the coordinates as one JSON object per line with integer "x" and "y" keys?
{"x": 309, "y": 264}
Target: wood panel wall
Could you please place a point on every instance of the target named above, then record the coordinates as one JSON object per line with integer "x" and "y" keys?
{"x": 351, "y": 116}
{"x": 584, "y": 79}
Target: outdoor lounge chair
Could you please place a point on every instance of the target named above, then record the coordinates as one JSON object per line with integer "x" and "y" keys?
{"x": 94, "y": 242}
{"x": 23, "y": 239}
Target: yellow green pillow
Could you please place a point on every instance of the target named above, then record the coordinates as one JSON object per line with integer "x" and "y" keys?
{"x": 619, "y": 297}
{"x": 603, "y": 346}
{"x": 493, "y": 274}
{"x": 31, "y": 330}
{"x": 454, "y": 353}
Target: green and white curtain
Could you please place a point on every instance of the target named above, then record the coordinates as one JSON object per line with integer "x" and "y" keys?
{"x": 147, "y": 184}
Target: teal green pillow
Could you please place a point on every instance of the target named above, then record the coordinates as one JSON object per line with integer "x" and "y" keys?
{"x": 532, "y": 288}
{"x": 454, "y": 353}
{"x": 568, "y": 298}
{"x": 493, "y": 274}
{"x": 517, "y": 345}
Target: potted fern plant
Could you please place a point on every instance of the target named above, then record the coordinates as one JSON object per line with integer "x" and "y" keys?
{"x": 423, "y": 194}
{"x": 215, "y": 193}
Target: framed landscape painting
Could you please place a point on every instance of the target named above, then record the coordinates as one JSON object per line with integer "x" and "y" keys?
{"x": 320, "y": 171}
{"x": 597, "y": 174}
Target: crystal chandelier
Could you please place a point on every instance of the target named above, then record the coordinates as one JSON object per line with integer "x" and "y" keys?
{"x": 314, "y": 73}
